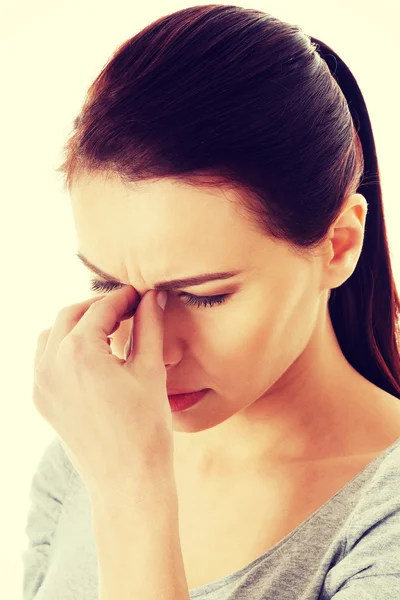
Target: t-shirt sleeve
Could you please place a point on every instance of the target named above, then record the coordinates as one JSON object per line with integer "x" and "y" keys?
{"x": 370, "y": 568}
{"x": 371, "y": 587}
{"x": 47, "y": 492}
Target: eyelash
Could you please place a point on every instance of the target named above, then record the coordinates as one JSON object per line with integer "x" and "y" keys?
{"x": 198, "y": 301}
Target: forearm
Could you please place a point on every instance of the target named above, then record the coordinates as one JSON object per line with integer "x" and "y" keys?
{"x": 139, "y": 551}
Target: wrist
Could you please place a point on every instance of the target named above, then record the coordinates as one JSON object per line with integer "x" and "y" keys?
{"x": 145, "y": 493}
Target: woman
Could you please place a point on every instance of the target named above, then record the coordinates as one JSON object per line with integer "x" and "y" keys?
{"x": 221, "y": 139}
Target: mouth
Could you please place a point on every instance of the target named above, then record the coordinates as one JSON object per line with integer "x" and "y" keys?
{"x": 180, "y": 402}
{"x": 177, "y": 392}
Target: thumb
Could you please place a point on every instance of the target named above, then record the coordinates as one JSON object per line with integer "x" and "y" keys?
{"x": 147, "y": 334}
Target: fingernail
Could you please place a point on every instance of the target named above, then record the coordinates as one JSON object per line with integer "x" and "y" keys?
{"x": 127, "y": 350}
{"x": 162, "y": 299}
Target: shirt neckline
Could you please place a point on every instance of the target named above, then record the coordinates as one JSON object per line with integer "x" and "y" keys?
{"x": 222, "y": 581}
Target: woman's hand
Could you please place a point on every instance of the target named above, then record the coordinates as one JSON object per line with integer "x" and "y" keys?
{"x": 112, "y": 415}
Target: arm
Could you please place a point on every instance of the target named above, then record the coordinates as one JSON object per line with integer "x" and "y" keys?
{"x": 138, "y": 547}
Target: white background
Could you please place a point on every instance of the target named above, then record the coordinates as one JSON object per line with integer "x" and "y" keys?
{"x": 51, "y": 51}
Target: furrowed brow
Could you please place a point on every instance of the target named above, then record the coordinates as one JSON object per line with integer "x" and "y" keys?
{"x": 174, "y": 284}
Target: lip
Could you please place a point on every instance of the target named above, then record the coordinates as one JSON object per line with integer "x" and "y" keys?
{"x": 179, "y": 402}
{"x": 176, "y": 392}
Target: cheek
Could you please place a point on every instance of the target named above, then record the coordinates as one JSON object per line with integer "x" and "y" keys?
{"x": 239, "y": 343}
{"x": 250, "y": 350}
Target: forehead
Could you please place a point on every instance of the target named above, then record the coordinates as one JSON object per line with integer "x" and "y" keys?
{"x": 152, "y": 209}
{"x": 157, "y": 225}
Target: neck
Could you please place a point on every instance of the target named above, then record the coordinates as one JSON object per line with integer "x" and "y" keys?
{"x": 307, "y": 414}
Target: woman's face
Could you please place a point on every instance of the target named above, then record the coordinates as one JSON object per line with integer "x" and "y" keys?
{"x": 265, "y": 344}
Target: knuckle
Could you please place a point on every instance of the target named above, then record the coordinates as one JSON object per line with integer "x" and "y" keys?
{"x": 69, "y": 314}
{"x": 65, "y": 311}
{"x": 72, "y": 345}
{"x": 44, "y": 334}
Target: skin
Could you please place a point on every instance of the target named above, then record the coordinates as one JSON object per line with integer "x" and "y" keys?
{"x": 281, "y": 388}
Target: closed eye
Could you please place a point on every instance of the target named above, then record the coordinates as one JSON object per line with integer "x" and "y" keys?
{"x": 107, "y": 286}
{"x": 204, "y": 300}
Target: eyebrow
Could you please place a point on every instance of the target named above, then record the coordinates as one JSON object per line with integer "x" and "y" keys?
{"x": 164, "y": 285}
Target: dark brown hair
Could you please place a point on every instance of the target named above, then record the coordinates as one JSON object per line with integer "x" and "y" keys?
{"x": 226, "y": 96}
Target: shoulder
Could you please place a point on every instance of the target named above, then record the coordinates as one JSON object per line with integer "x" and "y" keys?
{"x": 379, "y": 504}
{"x": 54, "y": 464}
{"x": 47, "y": 493}
{"x": 369, "y": 564}
{"x": 50, "y": 482}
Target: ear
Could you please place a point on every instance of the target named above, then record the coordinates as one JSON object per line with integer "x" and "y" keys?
{"x": 345, "y": 242}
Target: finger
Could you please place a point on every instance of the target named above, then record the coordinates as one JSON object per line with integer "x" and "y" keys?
{"x": 65, "y": 321}
{"x": 100, "y": 320}
{"x": 147, "y": 335}
{"x": 41, "y": 346}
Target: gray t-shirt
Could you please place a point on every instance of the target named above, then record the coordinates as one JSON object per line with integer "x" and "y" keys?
{"x": 348, "y": 549}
